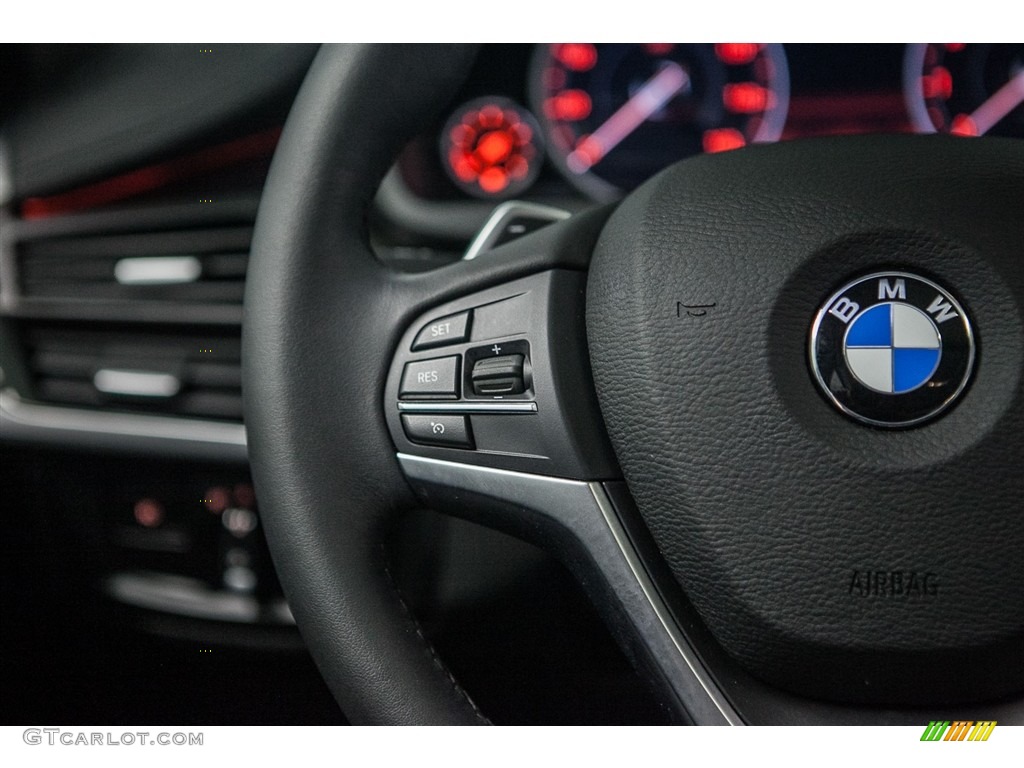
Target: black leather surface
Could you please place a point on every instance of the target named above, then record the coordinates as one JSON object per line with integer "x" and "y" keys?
{"x": 319, "y": 326}
{"x": 761, "y": 496}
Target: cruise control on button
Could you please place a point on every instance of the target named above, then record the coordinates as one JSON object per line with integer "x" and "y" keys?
{"x": 447, "y": 431}
{"x": 436, "y": 379}
{"x": 446, "y": 330}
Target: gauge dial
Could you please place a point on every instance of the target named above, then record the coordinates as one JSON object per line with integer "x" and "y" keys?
{"x": 615, "y": 114}
{"x": 967, "y": 89}
{"x": 491, "y": 147}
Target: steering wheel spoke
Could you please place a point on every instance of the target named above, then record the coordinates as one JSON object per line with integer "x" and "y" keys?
{"x": 581, "y": 524}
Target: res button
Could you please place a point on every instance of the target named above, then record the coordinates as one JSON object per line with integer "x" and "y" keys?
{"x": 446, "y": 330}
{"x": 436, "y": 379}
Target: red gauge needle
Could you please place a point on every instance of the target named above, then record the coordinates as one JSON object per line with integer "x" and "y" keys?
{"x": 651, "y": 97}
{"x": 993, "y": 109}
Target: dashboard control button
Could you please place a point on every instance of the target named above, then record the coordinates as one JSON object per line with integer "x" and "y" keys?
{"x": 502, "y": 375}
{"x": 446, "y": 330}
{"x": 431, "y": 379}
{"x": 447, "y": 431}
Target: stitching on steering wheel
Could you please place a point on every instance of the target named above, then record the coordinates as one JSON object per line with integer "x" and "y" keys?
{"x": 459, "y": 690}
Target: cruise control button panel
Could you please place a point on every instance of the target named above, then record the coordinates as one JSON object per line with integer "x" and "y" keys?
{"x": 446, "y": 330}
{"x": 501, "y": 378}
{"x": 435, "y": 379}
{"x": 444, "y": 430}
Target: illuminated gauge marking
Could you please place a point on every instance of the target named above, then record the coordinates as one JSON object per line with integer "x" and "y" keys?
{"x": 491, "y": 149}
{"x": 965, "y": 89}
{"x": 616, "y": 114}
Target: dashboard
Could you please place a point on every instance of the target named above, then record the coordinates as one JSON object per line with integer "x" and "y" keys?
{"x": 593, "y": 121}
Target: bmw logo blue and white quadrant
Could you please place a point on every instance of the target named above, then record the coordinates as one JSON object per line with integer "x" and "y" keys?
{"x": 892, "y": 349}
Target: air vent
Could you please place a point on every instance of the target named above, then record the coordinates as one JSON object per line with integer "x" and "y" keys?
{"x": 154, "y": 371}
{"x": 193, "y": 267}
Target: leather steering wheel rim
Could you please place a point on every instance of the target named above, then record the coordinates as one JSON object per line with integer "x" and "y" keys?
{"x": 330, "y": 480}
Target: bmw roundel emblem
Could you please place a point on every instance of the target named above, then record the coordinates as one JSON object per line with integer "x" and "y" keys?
{"x": 892, "y": 349}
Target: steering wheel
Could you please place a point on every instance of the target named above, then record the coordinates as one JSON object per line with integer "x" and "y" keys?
{"x": 660, "y": 393}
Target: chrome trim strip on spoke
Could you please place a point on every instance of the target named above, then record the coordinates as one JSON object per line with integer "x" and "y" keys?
{"x": 584, "y": 510}
{"x": 653, "y": 596}
{"x": 50, "y": 422}
{"x": 484, "y": 407}
{"x": 514, "y": 454}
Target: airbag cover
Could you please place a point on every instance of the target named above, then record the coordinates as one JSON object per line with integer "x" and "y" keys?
{"x": 830, "y": 557}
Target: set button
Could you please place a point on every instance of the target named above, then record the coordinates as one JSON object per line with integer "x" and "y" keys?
{"x": 446, "y": 330}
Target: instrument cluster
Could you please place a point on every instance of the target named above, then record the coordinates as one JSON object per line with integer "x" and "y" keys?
{"x": 596, "y": 120}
